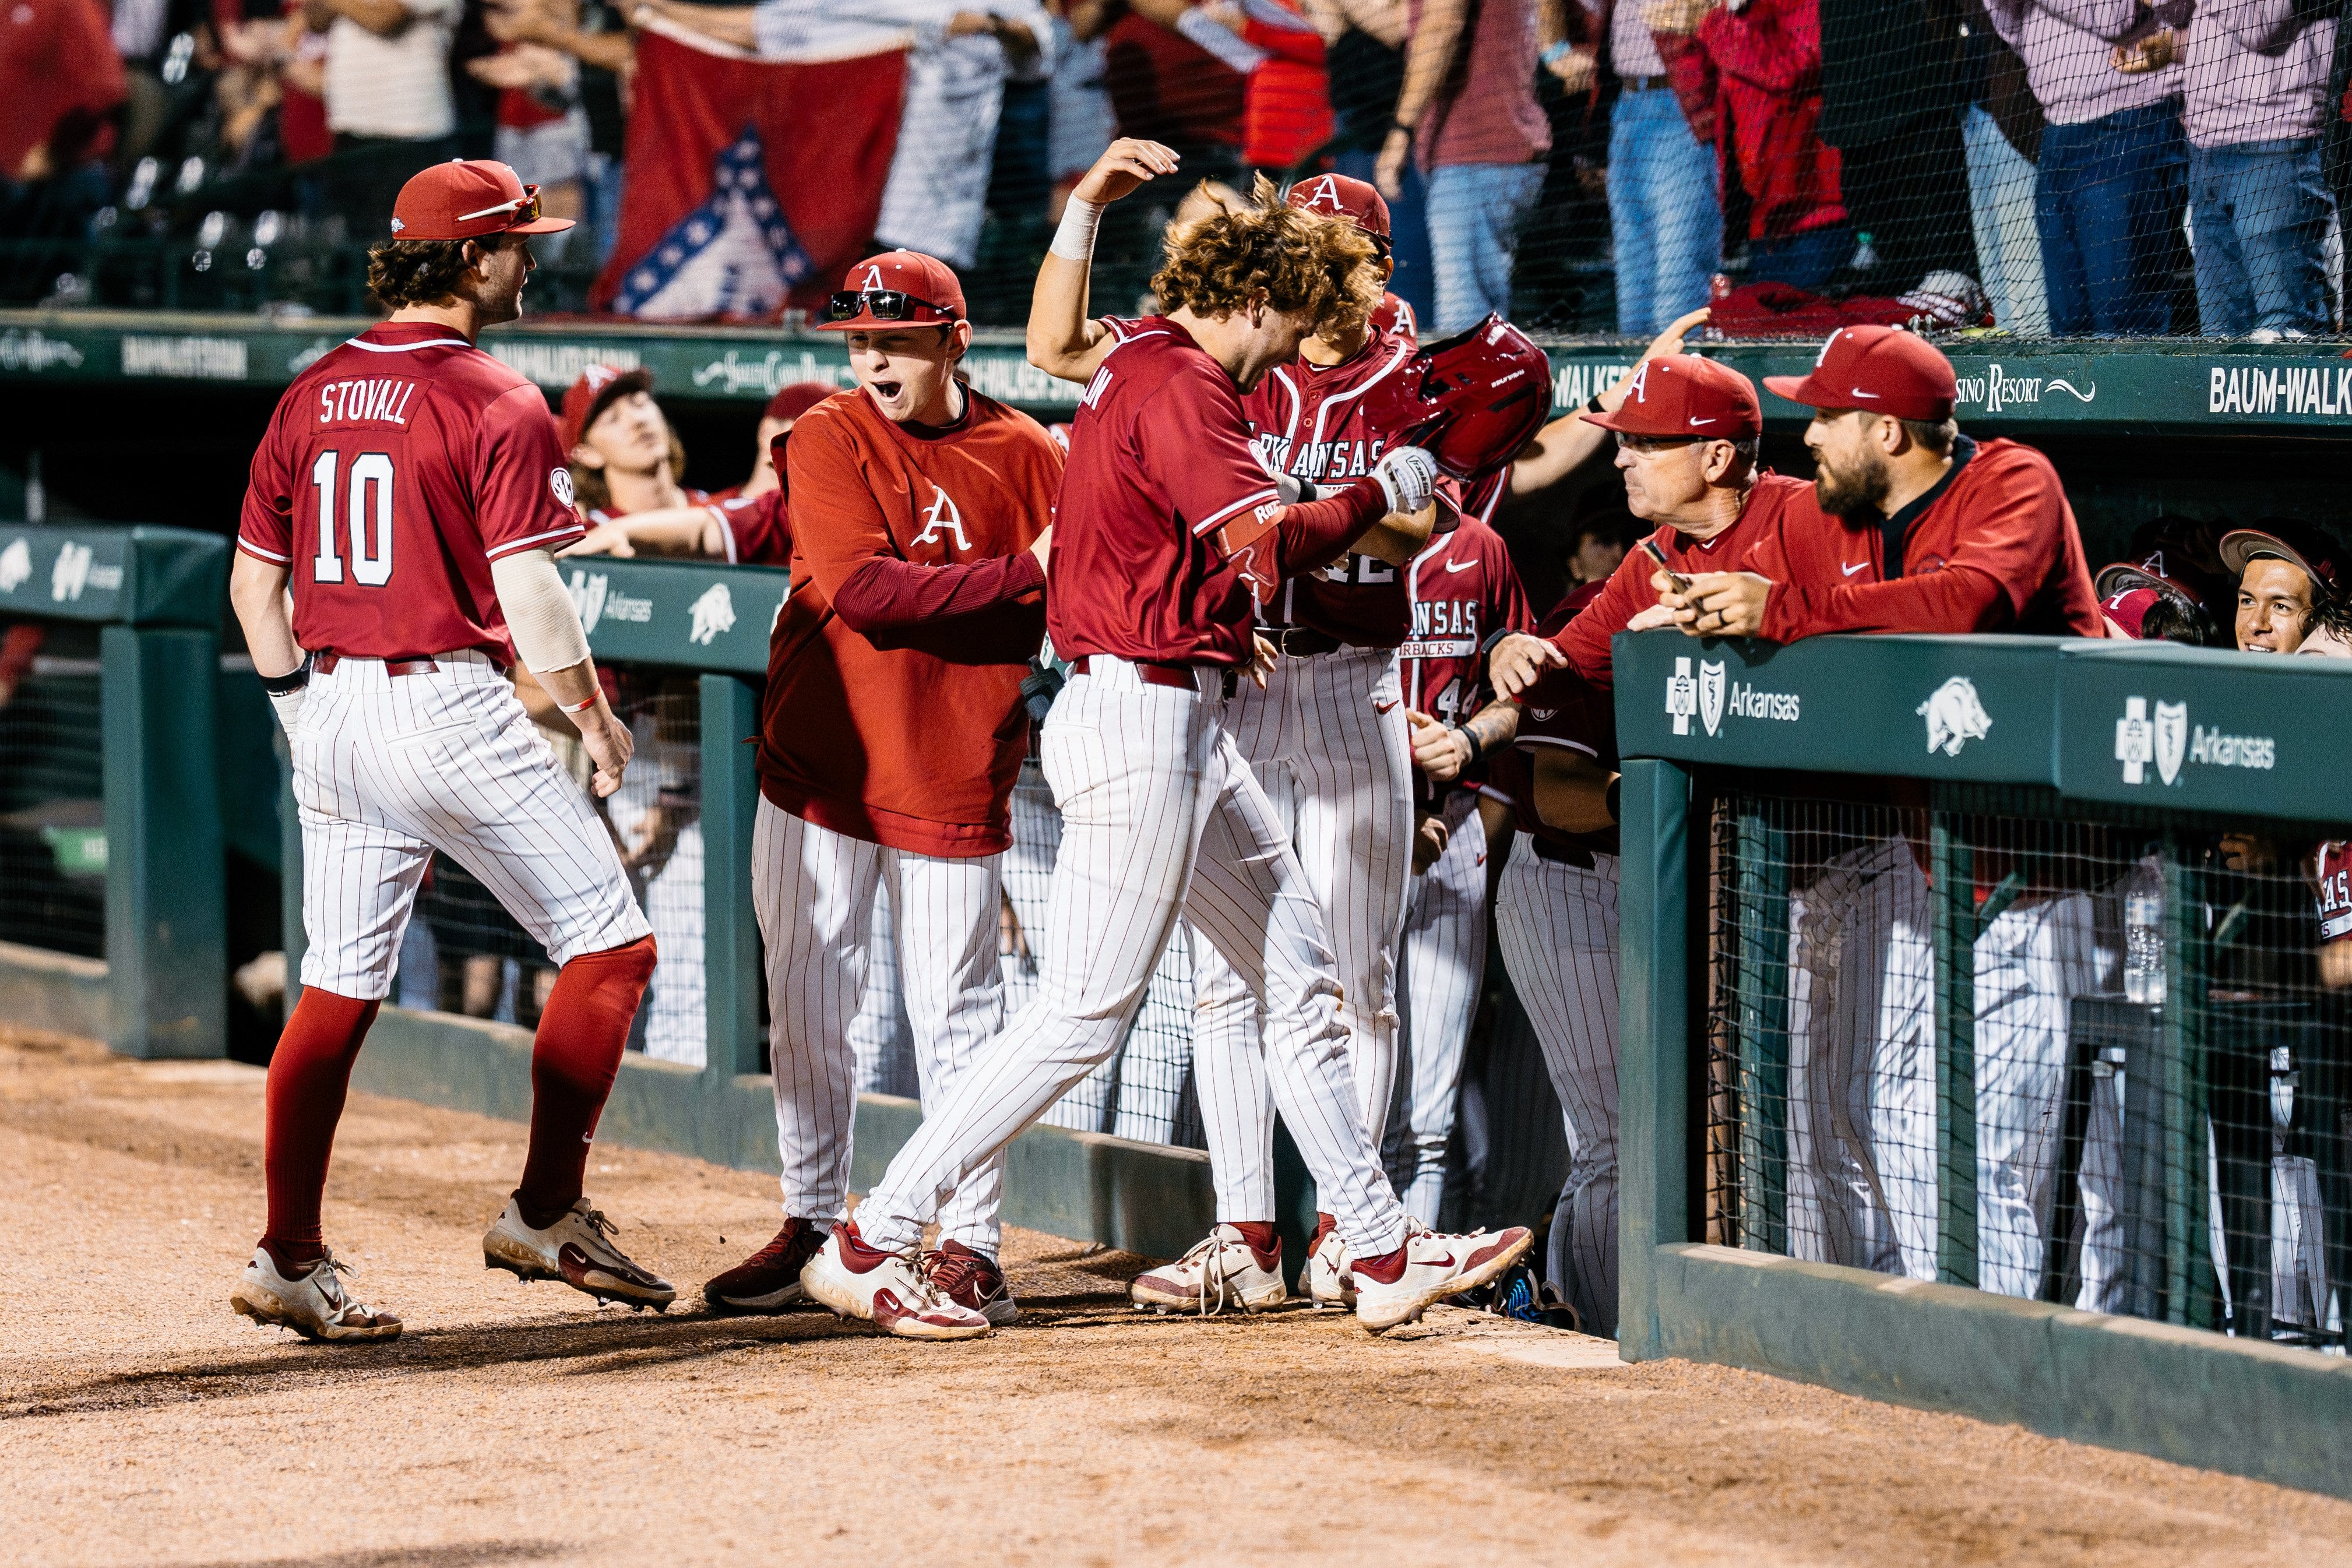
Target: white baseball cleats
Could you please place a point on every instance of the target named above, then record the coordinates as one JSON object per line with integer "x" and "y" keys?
{"x": 895, "y": 1292}
{"x": 313, "y": 1305}
{"x": 1325, "y": 1279}
{"x": 578, "y": 1250}
{"x": 1427, "y": 1269}
{"x": 1222, "y": 1271}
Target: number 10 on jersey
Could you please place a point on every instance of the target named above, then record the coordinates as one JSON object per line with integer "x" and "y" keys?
{"x": 371, "y": 518}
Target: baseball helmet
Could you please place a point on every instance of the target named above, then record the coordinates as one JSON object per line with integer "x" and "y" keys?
{"x": 1472, "y": 400}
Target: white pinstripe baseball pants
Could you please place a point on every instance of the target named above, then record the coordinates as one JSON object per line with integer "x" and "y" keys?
{"x": 1556, "y": 925}
{"x": 388, "y": 769}
{"x": 1444, "y": 961}
{"x": 1160, "y": 818}
{"x": 1337, "y": 765}
{"x": 815, "y": 892}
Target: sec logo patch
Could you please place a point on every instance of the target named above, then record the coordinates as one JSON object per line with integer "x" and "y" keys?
{"x": 559, "y": 480}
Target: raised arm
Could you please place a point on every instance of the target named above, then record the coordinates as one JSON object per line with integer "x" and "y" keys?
{"x": 1063, "y": 339}
{"x": 1569, "y": 441}
{"x": 1427, "y": 59}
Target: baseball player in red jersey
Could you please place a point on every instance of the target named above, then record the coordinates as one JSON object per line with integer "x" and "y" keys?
{"x": 1170, "y": 533}
{"x": 890, "y": 737}
{"x": 1465, "y": 595}
{"x": 747, "y": 526}
{"x": 410, "y": 489}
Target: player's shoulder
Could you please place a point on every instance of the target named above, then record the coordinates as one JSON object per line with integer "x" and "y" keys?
{"x": 1003, "y": 425}
{"x": 2002, "y": 458}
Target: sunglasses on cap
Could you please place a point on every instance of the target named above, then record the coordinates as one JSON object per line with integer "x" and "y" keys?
{"x": 523, "y": 209}
{"x": 884, "y": 305}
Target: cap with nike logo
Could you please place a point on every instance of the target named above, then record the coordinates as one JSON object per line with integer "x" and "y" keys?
{"x": 1883, "y": 369}
{"x": 1684, "y": 394}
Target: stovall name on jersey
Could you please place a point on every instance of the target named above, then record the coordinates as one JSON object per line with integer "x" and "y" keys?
{"x": 346, "y": 403}
{"x": 1322, "y": 459}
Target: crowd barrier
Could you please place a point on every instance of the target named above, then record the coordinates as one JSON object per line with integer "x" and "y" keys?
{"x": 1977, "y": 1053}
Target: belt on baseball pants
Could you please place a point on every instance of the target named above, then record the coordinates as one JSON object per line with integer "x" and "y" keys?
{"x": 407, "y": 665}
{"x": 1185, "y": 677}
{"x": 1566, "y": 854}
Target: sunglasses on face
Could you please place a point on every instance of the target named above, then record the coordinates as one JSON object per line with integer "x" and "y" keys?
{"x": 883, "y": 305}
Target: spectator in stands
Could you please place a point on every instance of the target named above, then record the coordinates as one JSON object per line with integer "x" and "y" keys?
{"x": 1286, "y": 90}
{"x": 2000, "y": 130}
{"x": 1080, "y": 121}
{"x": 388, "y": 96}
{"x": 1891, "y": 102}
{"x": 1467, "y": 114}
{"x": 937, "y": 195}
{"x": 592, "y": 33}
{"x": 62, "y": 81}
{"x": 543, "y": 125}
{"x": 2107, "y": 196}
{"x": 2255, "y": 89}
{"x": 1665, "y": 215}
{"x": 2288, "y": 574}
{"x": 1767, "y": 55}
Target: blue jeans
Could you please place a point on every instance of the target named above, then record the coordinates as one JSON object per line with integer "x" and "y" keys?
{"x": 2260, "y": 216}
{"x": 1803, "y": 261}
{"x": 1662, "y": 213}
{"x": 1474, "y": 211}
{"x": 1414, "y": 282}
{"x": 2105, "y": 204}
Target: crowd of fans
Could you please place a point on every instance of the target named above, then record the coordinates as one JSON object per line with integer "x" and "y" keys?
{"x": 2110, "y": 167}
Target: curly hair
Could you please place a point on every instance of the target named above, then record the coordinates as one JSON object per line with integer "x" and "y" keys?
{"x": 420, "y": 271}
{"x": 1291, "y": 260}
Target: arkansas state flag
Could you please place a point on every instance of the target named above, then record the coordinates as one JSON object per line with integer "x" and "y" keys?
{"x": 748, "y": 178}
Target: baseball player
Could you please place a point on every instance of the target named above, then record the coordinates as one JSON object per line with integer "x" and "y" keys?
{"x": 1326, "y": 739}
{"x": 749, "y": 525}
{"x": 1465, "y": 592}
{"x": 1959, "y": 536}
{"x": 891, "y": 737}
{"x": 1171, "y": 533}
{"x": 410, "y": 488}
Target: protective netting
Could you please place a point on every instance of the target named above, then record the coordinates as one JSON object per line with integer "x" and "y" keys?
{"x": 52, "y": 801}
{"x": 2058, "y": 1059}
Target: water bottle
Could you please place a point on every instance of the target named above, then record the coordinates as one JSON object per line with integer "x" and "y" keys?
{"x": 2144, "y": 934}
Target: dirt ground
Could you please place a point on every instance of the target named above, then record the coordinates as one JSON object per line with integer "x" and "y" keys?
{"x": 140, "y": 1422}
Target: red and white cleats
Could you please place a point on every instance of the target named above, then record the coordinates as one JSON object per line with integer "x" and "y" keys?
{"x": 769, "y": 1281}
{"x": 1326, "y": 1276}
{"x": 313, "y": 1304}
{"x": 578, "y": 1250}
{"x": 1222, "y": 1271}
{"x": 971, "y": 1279}
{"x": 1429, "y": 1268}
{"x": 892, "y": 1291}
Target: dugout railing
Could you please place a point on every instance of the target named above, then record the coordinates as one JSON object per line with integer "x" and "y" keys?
{"x": 112, "y": 826}
{"x": 1978, "y": 1051}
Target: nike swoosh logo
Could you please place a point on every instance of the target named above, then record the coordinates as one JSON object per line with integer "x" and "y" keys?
{"x": 1850, "y": 570}
{"x": 1383, "y": 707}
{"x": 1709, "y": 419}
{"x": 1482, "y": 859}
{"x": 1859, "y": 393}
{"x": 1460, "y": 565}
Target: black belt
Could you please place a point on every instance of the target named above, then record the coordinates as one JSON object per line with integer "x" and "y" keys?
{"x": 1645, "y": 84}
{"x": 1185, "y": 677}
{"x": 406, "y": 665}
{"x": 1565, "y": 854}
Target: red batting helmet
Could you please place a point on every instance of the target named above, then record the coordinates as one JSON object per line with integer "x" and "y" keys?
{"x": 1472, "y": 400}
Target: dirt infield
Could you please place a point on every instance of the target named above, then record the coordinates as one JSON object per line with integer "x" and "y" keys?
{"x": 140, "y": 1422}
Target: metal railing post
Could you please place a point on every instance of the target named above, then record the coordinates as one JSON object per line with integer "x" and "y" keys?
{"x": 2188, "y": 1286}
{"x": 166, "y": 904}
{"x": 1761, "y": 979}
{"x": 1955, "y": 917}
{"x": 730, "y": 931}
{"x": 1654, "y": 1062}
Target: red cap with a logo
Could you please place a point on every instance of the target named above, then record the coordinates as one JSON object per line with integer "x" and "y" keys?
{"x": 469, "y": 198}
{"x": 598, "y": 387}
{"x": 1338, "y": 196}
{"x": 796, "y": 400}
{"x": 1883, "y": 369}
{"x": 897, "y": 288}
{"x": 1682, "y": 394}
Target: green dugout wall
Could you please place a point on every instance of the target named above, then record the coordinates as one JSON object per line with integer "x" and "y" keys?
{"x": 1696, "y": 717}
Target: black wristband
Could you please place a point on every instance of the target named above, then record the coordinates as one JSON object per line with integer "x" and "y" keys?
{"x": 1410, "y": 133}
{"x": 1478, "y": 746}
{"x": 1608, "y": 796}
{"x": 293, "y": 680}
{"x": 1594, "y": 405}
{"x": 1307, "y": 491}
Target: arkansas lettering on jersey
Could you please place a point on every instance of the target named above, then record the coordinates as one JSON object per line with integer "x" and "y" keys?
{"x": 1308, "y": 420}
{"x": 1160, "y": 460}
{"x": 395, "y": 470}
{"x": 2332, "y": 872}
{"x": 1463, "y": 589}
{"x": 914, "y": 744}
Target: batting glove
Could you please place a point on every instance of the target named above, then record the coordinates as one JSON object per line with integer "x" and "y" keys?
{"x": 1408, "y": 476}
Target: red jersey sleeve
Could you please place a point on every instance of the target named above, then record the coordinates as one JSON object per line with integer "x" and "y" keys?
{"x": 756, "y": 531}
{"x": 1585, "y": 639}
{"x": 1563, "y": 709}
{"x": 1193, "y": 439}
{"x": 522, "y": 488}
{"x": 265, "y": 529}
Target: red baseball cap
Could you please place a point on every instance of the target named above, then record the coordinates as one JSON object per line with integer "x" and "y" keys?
{"x": 1682, "y": 394}
{"x": 2129, "y": 609}
{"x": 595, "y": 389}
{"x": 469, "y": 198}
{"x": 796, "y": 400}
{"x": 2121, "y": 577}
{"x": 1883, "y": 369}
{"x": 2297, "y": 544}
{"x": 897, "y": 288}
{"x": 1340, "y": 196}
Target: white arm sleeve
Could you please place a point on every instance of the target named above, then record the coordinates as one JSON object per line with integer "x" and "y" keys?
{"x": 539, "y": 611}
